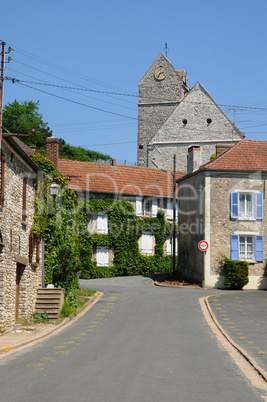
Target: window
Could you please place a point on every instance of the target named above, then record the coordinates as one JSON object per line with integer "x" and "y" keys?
{"x": 247, "y": 247}
{"x": 102, "y": 256}
{"x": 246, "y": 205}
{"x": 102, "y": 224}
{"x": 169, "y": 246}
{"x": 3, "y": 164}
{"x": 146, "y": 207}
{"x": 147, "y": 243}
{"x": 169, "y": 210}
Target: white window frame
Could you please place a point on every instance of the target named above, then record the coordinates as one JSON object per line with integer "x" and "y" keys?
{"x": 102, "y": 224}
{"x": 169, "y": 210}
{"x": 246, "y": 255}
{"x": 246, "y": 214}
{"x": 102, "y": 256}
{"x": 147, "y": 243}
{"x": 169, "y": 246}
{"x": 236, "y": 203}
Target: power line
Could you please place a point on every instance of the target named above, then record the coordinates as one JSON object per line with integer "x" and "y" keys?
{"x": 65, "y": 87}
{"x": 56, "y": 66}
{"x": 231, "y": 107}
{"x": 111, "y": 143}
{"x": 79, "y": 103}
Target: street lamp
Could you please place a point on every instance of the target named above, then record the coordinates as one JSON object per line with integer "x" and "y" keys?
{"x": 54, "y": 189}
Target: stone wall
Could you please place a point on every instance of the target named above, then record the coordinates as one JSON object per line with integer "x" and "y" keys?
{"x": 222, "y": 226}
{"x": 16, "y": 233}
{"x": 204, "y": 214}
{"x": 197, "y": 121}
{"x": 157, "y": 101}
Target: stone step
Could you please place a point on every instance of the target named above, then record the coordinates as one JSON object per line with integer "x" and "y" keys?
{"x": 51, "y": 310}
{"x": 49, "y": 297}
{"x": 49, "y": 301}
{"x": 46, "y": 304}
{"x": 49, "y": 291}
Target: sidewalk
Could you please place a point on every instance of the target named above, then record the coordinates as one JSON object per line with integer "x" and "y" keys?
{"x": 243, "y": 317}
{"x": 21, "y": 336}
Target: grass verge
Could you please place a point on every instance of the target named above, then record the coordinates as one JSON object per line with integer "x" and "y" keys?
{"x": 75, "y": 301}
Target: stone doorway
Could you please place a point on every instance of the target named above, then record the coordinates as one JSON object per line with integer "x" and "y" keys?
{"x": 19, "y": 274}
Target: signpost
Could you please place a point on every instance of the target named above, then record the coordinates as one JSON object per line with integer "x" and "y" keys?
{"x": 203, "y": 245}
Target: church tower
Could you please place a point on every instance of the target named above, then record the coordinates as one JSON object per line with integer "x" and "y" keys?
{"x": 160, "y": 91}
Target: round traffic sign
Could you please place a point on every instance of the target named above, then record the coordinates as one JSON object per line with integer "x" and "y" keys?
{"x": 203, "y": 245}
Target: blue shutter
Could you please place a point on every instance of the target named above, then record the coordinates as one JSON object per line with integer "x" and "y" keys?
{"x": 234, "y": 207}
{"x": 235, "y": 247}
{"x": 259, "y": 206}
{"x": 259, "y": 248}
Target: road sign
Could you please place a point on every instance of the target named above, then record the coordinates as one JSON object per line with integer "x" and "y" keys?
{"x": 203, "y": 245}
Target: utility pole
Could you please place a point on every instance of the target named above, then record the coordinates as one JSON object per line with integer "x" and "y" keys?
{"x": 2, "y": 88}
{"x": 174, "y": 215}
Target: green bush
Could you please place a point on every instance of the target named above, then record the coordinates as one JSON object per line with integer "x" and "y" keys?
{"x": 40, "y": 318}
{"x": 235, "y": 273}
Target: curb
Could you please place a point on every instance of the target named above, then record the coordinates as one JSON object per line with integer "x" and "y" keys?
{"x": 249, "y": 358}
{"x": 59, "y": 327}
{"x": 166, "y": 285}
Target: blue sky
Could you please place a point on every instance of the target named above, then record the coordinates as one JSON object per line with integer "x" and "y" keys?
{"x": 107, "y": 46}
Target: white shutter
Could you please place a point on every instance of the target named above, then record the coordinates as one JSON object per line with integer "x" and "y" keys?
{"x": 138, "y": 206}
{"x": 168, "y": 246}
{"x": 102, "y": 224}
{"x": 169, "y": 212}
{"x": 102, "y": 255}
{"x": 147, "y": 247}
{"x": 154, "y": 207}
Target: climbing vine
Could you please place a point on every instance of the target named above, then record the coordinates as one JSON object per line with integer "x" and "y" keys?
{"x": 124, "y": 231}
{"x": 63, "y": 220}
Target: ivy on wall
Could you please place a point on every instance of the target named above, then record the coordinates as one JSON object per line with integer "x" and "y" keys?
{"x": 63, "y": 220}
{"x": 56, "y": 221}
{"x": 125, "y": 229}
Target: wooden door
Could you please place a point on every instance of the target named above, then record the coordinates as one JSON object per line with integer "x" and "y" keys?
{"x": 19, "y": 273}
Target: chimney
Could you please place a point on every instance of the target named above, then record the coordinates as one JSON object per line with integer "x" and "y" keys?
{"x": 113, "y": 162}
{"x": 220, "y": 149}
{"x": 52, "y": 145}
{"x": 193, "y": 159}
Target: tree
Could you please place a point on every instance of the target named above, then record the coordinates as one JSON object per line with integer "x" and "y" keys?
{"x": 25, "y": 118}
{"x": 67, "y": 151}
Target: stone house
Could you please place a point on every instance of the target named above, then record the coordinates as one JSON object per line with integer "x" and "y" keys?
{"x": 224, "y": 203}
{"x": 20, "y": 253}
{"x": 172, "y": 118}
{"x": 147, "y": 189}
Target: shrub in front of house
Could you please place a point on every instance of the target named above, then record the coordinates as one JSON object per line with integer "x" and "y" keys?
{"x": 235, "y": 273}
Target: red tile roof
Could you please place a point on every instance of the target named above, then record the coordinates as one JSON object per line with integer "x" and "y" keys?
{"x": 246, "y": 155}
{"x": 119, "y": 179}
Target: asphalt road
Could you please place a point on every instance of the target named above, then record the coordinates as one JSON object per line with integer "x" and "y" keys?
{"x": 139, "y": 343}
